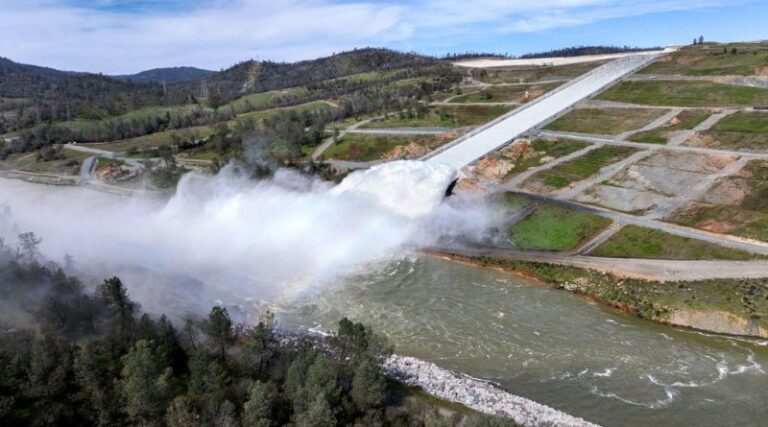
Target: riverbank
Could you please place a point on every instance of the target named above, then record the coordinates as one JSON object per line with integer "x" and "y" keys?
{"x": 479, "y": 395}
{"x": 726, "y": 306}
{"x": 448, "y": 387}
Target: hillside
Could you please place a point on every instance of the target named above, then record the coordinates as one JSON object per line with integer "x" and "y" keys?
{"x": 167, "y": 75}
{"x": 257, "y": 76}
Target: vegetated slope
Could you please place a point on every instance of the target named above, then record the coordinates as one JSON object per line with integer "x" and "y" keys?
{"x": 167, "y": 75}
{"x": 586, "y": 50}
{"x": 57, "y": 95}
{"x": 258, "y": 76}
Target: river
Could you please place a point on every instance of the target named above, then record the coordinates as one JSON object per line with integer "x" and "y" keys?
{"x": 549, "y": 345}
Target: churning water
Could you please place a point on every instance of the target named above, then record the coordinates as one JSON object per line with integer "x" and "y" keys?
{"x": 550, "y": 345}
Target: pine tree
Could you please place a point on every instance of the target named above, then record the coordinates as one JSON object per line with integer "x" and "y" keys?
{"x": 368, "y": 386}
{"x": 226, "y": 416}
{"x": 115, "y": 297}
{"x": 257, "y": 410}
{"x": 181, "y": 413}
{"x": 219, "y": 328}
{"x": 144, "y": 383}
{"x": 318, "y": 414}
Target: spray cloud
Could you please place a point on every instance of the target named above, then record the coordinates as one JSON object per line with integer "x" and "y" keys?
{"x": 232, "y": 240}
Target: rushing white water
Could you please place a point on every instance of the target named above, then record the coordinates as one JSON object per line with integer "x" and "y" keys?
{"x": 232, "y": 239}
{"x": 412, "y": 189}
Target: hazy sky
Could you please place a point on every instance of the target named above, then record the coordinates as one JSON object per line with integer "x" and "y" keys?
{"x": 125, "y": 36}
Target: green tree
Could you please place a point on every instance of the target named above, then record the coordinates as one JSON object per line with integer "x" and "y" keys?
{"x": 257, "y": 351}
{"x": 294, "y": 378}
{"x": 226, "y": 416}
{"x": 368, "y": 385}
{"x": 50, "y": 382}
{"x": 257, "y": 410}
{"x": 115, "y": 298}
{"x": 94, "y": 375}
{"x": 181, "y": 413}
{"x": 317, "y": 414}
{"x": 219, "y": 328}
{"x": 206, "y": 375}
{"x": 144, "y": 383}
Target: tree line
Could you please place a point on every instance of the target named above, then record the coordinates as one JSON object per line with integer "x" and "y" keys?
{"x": 69, "y": 357}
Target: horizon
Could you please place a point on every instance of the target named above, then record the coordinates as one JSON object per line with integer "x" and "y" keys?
{"x": 116, "y": 37}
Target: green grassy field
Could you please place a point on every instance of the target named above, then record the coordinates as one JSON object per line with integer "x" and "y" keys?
{"x": 685, "y": 94}
{"x": 552, "y": 228}
{"x": 713, "y": 60}
{"x": 533, "y": 74}
{"x": 741, "y": 131}
{"x": 155, "y": 140}
{"x": 578, "y": 169}
{"x": 743, "y": 121}
{"x": 507, "y": 93}
{"x": 90, "y": 128}
{"x": 606, "y": 121}
{"x": 257, "y": 116}
{"x": 541, "y": 148}
{"x": 688, "y": 119}
{"x": 366, "y": 148}
{"x": 264, "y": 99}
{"x": 639, "y": 242}
{"x": 450, "y": 116}
{"x": 68, "y": 164}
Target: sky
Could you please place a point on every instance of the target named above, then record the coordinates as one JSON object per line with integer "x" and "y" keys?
{"x": 127, "y": 36}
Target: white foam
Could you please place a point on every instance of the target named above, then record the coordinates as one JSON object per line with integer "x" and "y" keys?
{"x": 408, "y": 187}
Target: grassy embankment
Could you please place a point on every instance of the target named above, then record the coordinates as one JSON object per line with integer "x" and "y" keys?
{"x": 685, "y": 94}
{"x": 713, "y": 60}
{"x": 449, "y": 116}
{"x": 746, "y": 216}
{"x": 541, "y": 149}
{"x": 634, "y": 241}
{"x": 741, "y": 131}
{"x": 746, "y": 299}
{"x": 605, "y": 121}
{"x": 688, "y": 119}
{"x": 507, "y": 93}
{"x": 577, "y": 169}
{"x": 68, "y": 163}
{"x": 534, "y": 74}
{"x": 366, "y": 148}
{"x": 552, "y": 228}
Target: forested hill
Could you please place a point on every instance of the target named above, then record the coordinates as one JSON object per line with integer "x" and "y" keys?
{"x": 46, "y": 94}
{"x": 41, "y": 95}
{"x": 586, "y": 50}
{"x": 167, "y": 75}
{"x": 258, "y": 76}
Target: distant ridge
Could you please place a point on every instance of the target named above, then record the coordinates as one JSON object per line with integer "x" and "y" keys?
{"x": 167, "y": 75}
{"x": 586, "y": 50}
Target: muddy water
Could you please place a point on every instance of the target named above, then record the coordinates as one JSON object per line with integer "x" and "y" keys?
{"x": 550, "y": 346}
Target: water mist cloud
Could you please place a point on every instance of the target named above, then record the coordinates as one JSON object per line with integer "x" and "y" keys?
{"x": 227, "y": 238}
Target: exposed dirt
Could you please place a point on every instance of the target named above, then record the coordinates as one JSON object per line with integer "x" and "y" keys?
{"x": 114, "y": 173}
{"x": 721, "y": 322}
{"x": 409, "y": 151}
{"x": 727, "y": 192}
{"x": 705, "y": 140}
{"x": 623, "y": 199}
{"x": 693, "y": 162}
{"x": 496, "y": 167}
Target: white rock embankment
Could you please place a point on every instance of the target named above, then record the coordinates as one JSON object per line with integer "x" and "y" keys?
{"x": 479, "y": 395}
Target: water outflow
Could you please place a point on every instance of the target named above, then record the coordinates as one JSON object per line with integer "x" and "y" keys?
{"x": 408, "y": 188}
{"x": 227, "y": 238}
